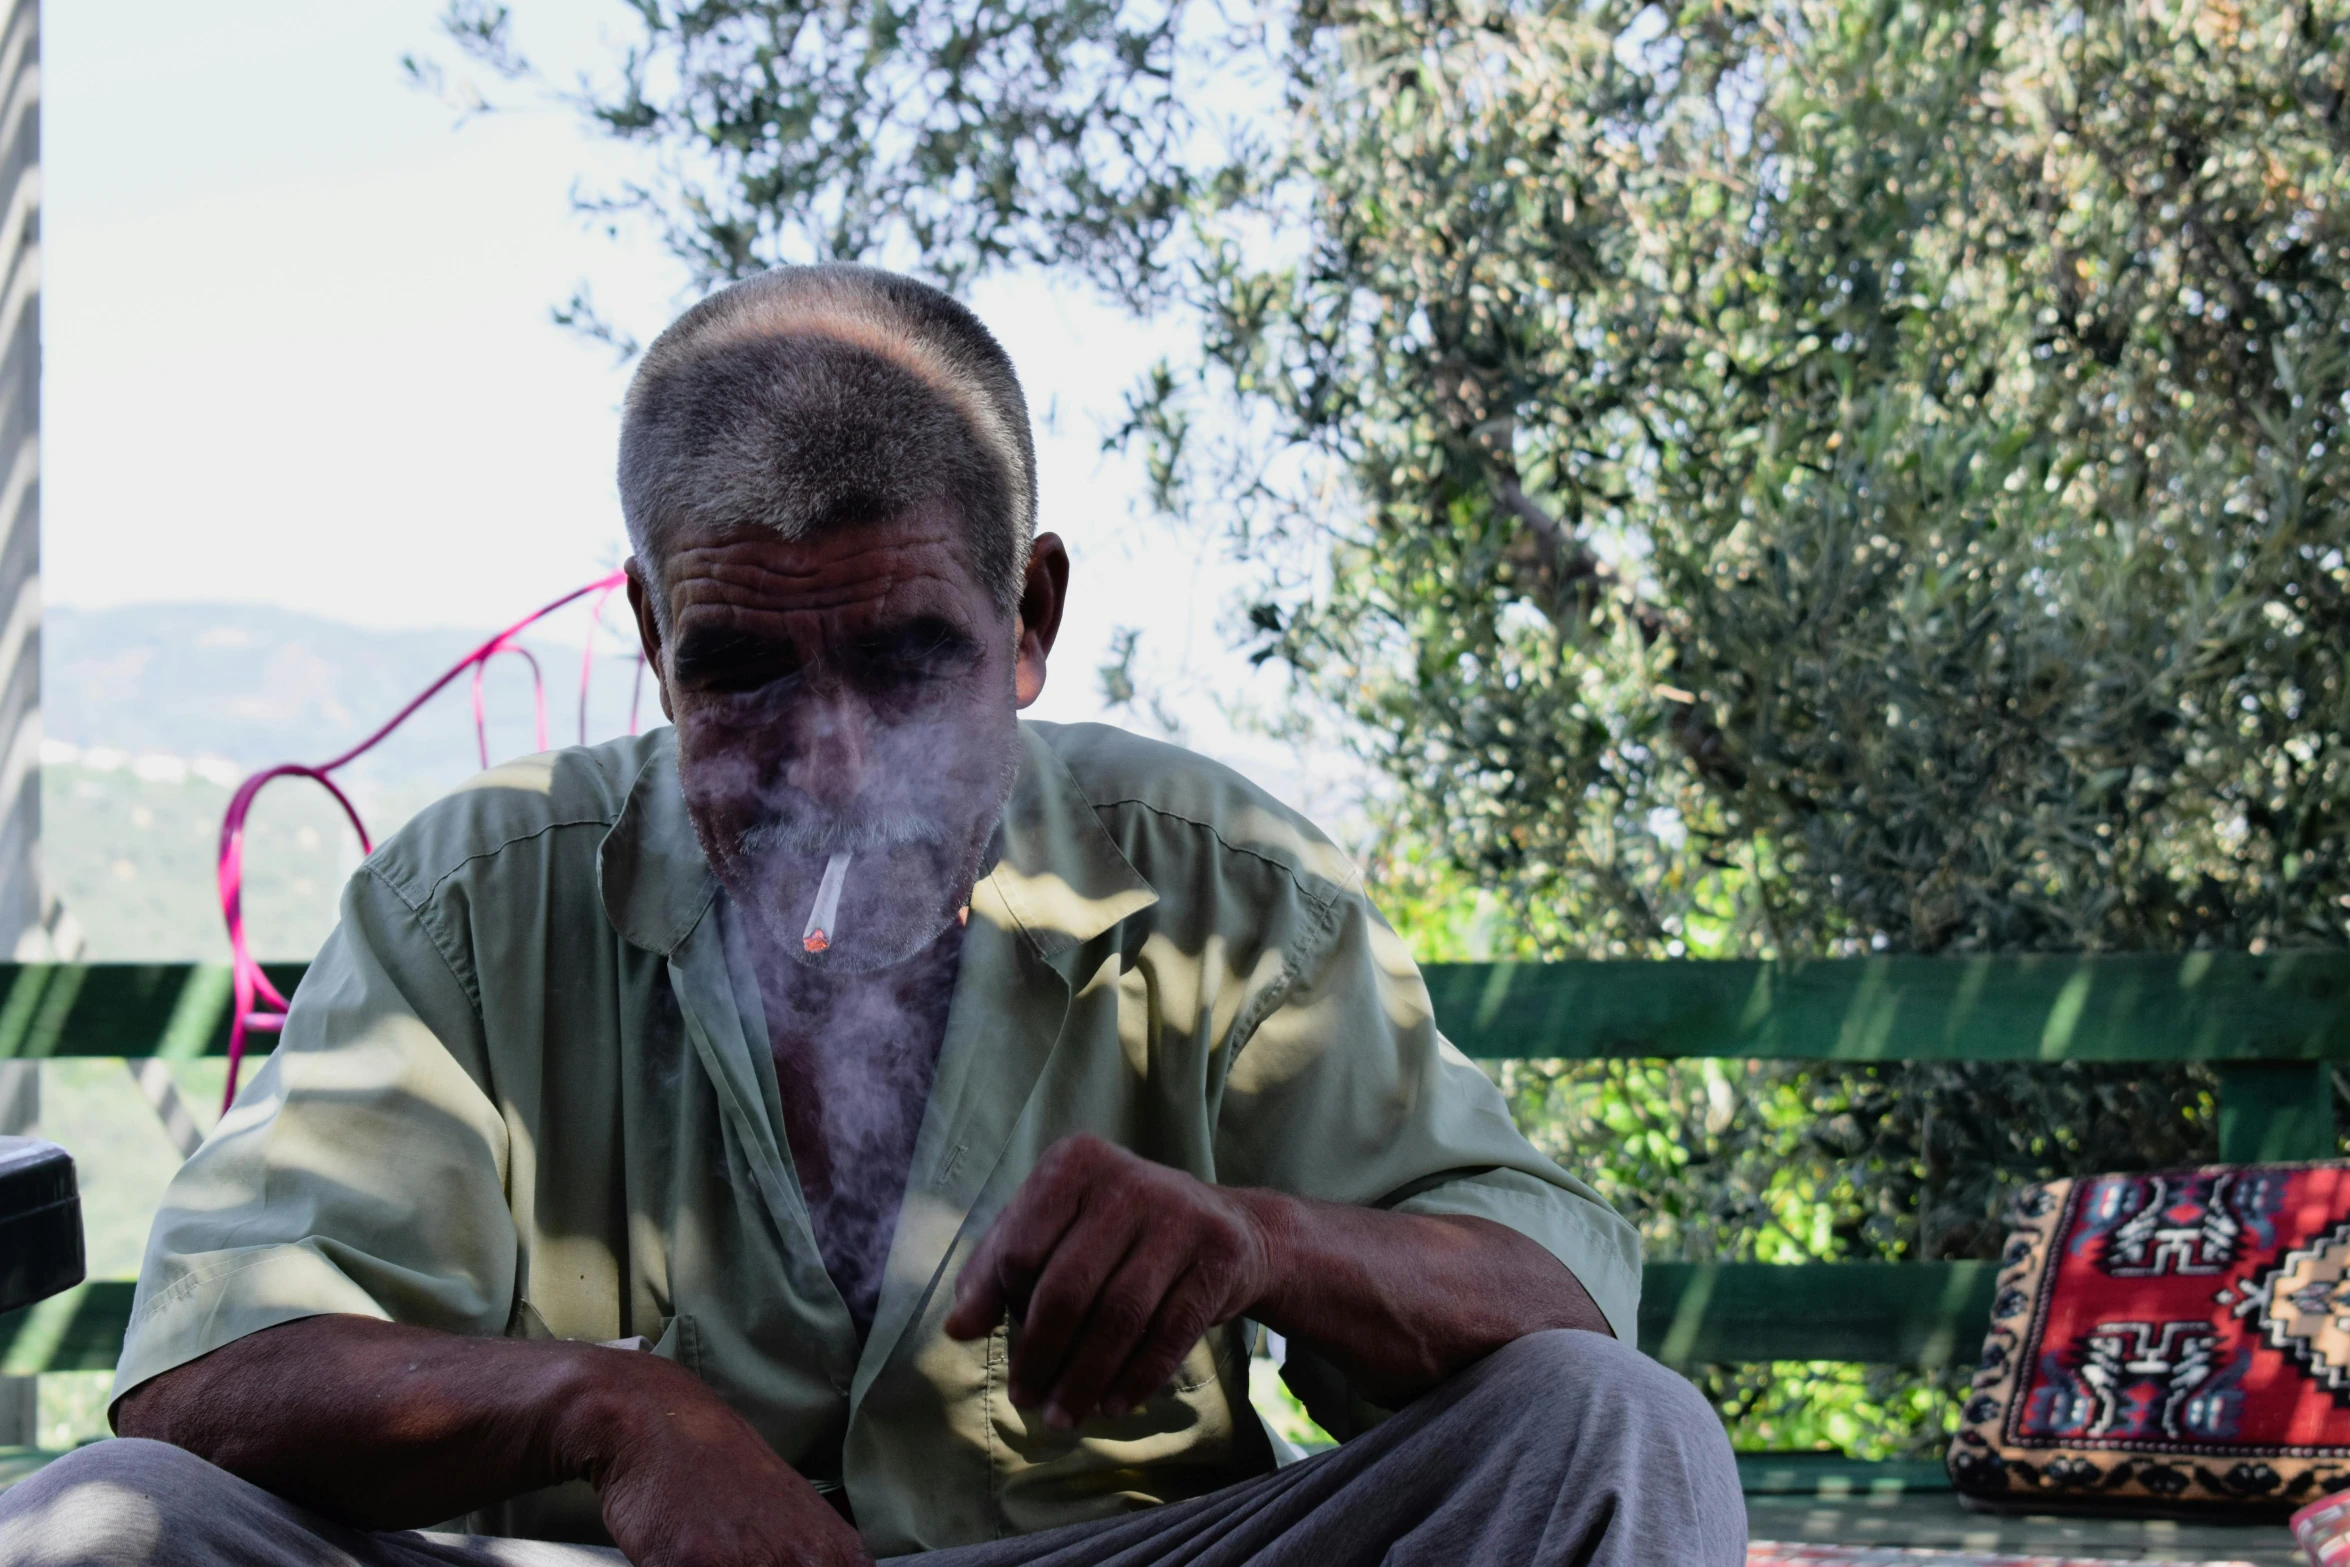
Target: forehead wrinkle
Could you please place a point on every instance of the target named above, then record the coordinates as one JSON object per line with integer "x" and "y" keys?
{"x": 809, "y": 557}
{"x": 750, "y": 587}
{"x": 756, "y": 606}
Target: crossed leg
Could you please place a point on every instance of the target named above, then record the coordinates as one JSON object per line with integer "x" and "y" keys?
{"x": 1562, "y": 1448}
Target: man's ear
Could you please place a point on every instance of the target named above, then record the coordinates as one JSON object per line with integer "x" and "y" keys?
{"x": 1042, "y": 597}
{"x": 648, "y": 629}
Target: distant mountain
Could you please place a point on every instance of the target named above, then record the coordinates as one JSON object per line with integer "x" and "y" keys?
{"x": 258, "y": 685}
{"x": 129, "y": 838}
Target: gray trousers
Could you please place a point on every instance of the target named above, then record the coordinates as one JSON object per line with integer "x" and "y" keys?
{"x": 1563, "y": 1448}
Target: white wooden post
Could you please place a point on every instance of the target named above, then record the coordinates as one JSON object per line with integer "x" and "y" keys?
{"x": 27, "y": 914}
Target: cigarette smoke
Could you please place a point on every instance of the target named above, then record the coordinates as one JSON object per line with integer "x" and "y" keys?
{"x": 854, "y": 1058}
{"x": 919, "y": 828}
{"x": 855, "y": 1025}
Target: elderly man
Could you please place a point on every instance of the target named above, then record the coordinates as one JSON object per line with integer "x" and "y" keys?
{"x": 853, "y": 1122}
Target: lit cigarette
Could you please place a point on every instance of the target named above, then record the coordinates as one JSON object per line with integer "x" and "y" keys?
{"x": 822, "y": 918}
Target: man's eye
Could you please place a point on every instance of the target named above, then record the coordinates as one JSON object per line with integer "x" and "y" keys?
{"x": 736, "y": 677}
{"x": 915, "y": 651}
{"x": 739, "y": 682}
{"x": 727, "y": 663}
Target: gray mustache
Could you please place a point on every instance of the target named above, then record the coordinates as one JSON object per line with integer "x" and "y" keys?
{"x": 886, "y": 830}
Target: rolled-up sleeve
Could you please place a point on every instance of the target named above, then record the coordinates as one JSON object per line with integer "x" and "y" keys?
{"x": 362, "y": 1170}
{"x": 1346, "y": 1091}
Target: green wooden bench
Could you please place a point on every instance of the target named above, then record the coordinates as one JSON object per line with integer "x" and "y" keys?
{"x": 2271, "y": 1026}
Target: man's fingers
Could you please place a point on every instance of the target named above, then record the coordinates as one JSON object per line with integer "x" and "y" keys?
{"x": 1123, "y": 1312}
{"x": 1024, "y": 1248}
{"x": 979, "y": 1294}
{"x": 1012, "y": 1253}
{"x": 1087, "y": 1255}
{"x": 1183, "y": 1320}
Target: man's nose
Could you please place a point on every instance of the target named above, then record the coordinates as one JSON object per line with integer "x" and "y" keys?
{"x": 831, "y": 747}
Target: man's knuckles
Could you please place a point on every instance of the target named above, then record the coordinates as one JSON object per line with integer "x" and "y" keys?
{"x": 1051, "y": 1318}
{"x": 1122, "y": 1314}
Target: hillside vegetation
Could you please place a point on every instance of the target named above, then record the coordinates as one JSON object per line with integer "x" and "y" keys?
{"x": 153, "y": 713}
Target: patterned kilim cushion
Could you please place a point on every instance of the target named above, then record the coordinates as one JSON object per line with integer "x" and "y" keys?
{"x": 2323, "y": 1528}
{"x": 2176, "y": 1340}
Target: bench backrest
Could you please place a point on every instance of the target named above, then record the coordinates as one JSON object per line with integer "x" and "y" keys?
{"x": 2271, "y": 1026}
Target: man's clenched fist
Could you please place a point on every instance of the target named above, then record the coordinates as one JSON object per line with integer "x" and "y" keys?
{"x": 1115, "y": 1267}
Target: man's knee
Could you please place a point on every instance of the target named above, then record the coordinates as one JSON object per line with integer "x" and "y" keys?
{"x": 111, "y": 1504}
{"x": 1621, "y": 1423}
{"x": 1589, "y": 1389}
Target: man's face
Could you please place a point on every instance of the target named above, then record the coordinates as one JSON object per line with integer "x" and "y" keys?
{"x": 850, "y": 692}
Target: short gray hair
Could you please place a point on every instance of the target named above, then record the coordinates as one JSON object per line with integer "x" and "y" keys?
{"x": 814, "y": 397}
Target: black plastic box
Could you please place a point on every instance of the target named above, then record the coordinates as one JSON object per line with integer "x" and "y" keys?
{"x": 40, "y": 1222}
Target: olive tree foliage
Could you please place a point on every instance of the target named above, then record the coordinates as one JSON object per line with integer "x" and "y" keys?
{"x": 1823, "y": 479}
{"x": 1830, "y": 478}
{"x": 1767, "y": 477}
{"x": 946, "y": 140}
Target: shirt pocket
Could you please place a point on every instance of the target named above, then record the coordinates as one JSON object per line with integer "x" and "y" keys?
{"x": 680, "y": 1342}
{"x": 1187, "y": 1424}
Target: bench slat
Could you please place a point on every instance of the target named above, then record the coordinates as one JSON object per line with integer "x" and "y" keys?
{"x": 2199, "y": 1006}
{"x": 1908, "y": 1313}
{"x": 1925, "y": 1314}
{"x": 174, "y": 1010}
{"x": 79, "y": 1330}
{"x": 1834, "y": 1475}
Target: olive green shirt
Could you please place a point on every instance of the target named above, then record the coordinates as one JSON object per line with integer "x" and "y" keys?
{"x": 522, "y": 1092}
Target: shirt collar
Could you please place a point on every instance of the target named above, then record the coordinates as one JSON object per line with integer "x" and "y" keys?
{"x": 655, "y": 883}
{"x": 1058, "y": 874}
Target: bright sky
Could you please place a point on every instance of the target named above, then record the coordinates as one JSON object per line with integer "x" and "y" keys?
{"x": 298, "y": 349}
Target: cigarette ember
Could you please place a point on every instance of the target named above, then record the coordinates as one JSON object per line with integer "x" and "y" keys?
{"x": 824, "y": 918}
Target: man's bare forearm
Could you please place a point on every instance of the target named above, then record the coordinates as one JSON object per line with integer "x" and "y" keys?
{"x": 386, "y": 1426}
{"x": 391, "y": 1427}
{"x": 1400, "y": 1301}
